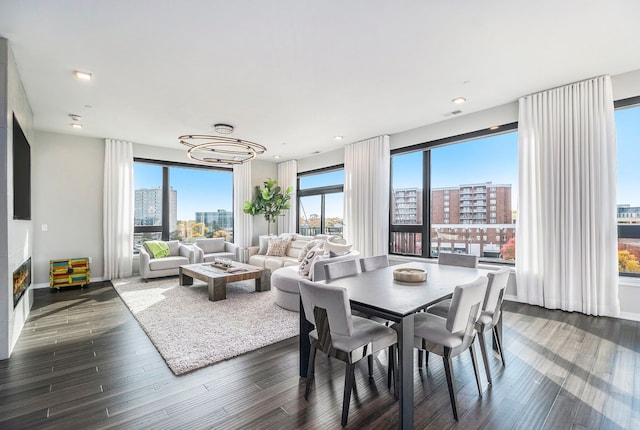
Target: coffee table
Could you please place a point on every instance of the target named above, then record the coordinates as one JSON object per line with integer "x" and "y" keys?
{"x": 217, "y": 279}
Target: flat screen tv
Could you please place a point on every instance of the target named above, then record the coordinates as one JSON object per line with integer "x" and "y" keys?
{"x": 21, "y": 173}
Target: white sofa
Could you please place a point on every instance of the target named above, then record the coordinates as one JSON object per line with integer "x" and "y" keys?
{"x": 284, "y": 270}
{"x": 179, "y": 255}
{"x": 211, "y": 248}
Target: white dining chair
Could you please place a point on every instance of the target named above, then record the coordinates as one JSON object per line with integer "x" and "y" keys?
{"x": 451, "y": 336}
{"x": 461, "y": 260}
{"x": 374, "y": 263}
{"x": 340, "y": 269}
{"x": 341, "y": 335}
{"x": 491, "y": 312}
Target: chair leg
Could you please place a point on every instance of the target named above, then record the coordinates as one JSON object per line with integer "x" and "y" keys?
{"x": 419, "y": 358}
{"x": 396, "y": 376}
{"x": 348, "y": 387}
{"x": 391, "y": 360}
{"x": 426, "y": 359}
{"x": 498, "y": 339}
{"x": 448, "y": 370}
{"x": 485, "y": 358}
{"x": 474, "y": 361}
{"x": 310, "y": 370}
{"x": 370, "y": 365}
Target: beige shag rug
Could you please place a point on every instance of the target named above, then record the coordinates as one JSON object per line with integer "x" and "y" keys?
{"x": 191, "y": 332}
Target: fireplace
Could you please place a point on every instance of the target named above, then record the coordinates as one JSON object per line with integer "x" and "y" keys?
{"x": 21, "y": 280}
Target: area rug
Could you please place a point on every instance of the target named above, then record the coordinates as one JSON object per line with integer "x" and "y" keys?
{"x": 191, "y": 332}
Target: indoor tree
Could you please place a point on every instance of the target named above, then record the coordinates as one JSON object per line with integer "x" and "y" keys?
{"x": 269, "y": 201}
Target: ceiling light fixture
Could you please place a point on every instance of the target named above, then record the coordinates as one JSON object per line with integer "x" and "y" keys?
{"x": 76, "y": 125}
{"x": 83, "y": 76}
{"x": 220, "y": 150}
{"x": 75, "y": 117}
{"x": 459, "y": 100}
{"x": 223, "y": 128}
{"x": 339, "y": 137}
{"x": 495, "y": 127}
{"x": 276, "y": 156}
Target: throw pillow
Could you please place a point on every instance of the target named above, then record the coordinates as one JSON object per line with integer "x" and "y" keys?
{"x": 277, "y": 247}
{"x": 308, "y": 260}
{"x": 308, "y": 247}
{"x": 323, "y": 256}
{"x": 263, "y": 241}
{"x": 157, "y": 248}
{"x": 337, "y": 248}
{"x": 174, "y": 247}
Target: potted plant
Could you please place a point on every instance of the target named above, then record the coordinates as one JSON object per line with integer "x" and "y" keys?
{"x": 269, "y": 201}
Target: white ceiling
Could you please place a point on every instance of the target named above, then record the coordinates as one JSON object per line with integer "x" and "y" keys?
{"x": 292, "y": 74}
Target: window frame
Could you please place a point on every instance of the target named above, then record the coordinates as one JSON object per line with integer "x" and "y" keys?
{"x": 425, "y": 148}
{"x": 166, "y": 191}
{"x": 321, "y": 191}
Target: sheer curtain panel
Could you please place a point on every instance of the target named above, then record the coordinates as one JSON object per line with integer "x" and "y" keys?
{"x": 366, "y": 195}
{"x": 242, "y": 222}
{"x": 118, "y": 201}
{"x": 566, "y": 251}
{"x": 288, "y": 176}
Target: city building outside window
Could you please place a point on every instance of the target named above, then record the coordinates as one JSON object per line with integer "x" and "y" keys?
{"x": 321, "y": 202}
{"x": 627, "y": 118}
{"x": 180, "y": 201}
{"x": 457, "y": 175}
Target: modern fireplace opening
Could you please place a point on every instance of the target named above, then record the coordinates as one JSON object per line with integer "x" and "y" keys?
{"x": 21, "y": 281}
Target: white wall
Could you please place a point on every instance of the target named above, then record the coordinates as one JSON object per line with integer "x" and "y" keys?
{"x": 67, "y": 182}
{"x": 15, "y": 235}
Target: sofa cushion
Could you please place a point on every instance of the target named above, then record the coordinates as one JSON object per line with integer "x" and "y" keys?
{"x": 286, "y": 279}
{"x": 209, "y": 246}
{"x": 277, "y": 247}
{"x": 337, "y": 248}
{"x": 293, "y": 250}
{"x": 156, "y": 248}
{"x": 263, "y": 241}
{"x": 170, "y": 262}
{"x": 174, "y": 248}
{"x": 308, "y": 247}
{"x": 208, "y": 258}
{"x": 307, "y": 262}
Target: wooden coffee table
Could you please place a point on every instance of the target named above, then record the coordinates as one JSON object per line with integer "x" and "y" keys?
{"x": 217, "y": 279}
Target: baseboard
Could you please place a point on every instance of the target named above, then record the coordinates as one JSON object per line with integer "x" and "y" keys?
{"x": 46, "y": 284}
{"x": 629, "y": 316}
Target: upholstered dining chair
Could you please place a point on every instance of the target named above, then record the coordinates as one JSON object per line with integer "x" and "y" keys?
{"x": 373, "y": 263}
{"x": 340, "y": 269}
{"x": 491, "y": 311}
{"x": 452, "y": 336}
{"x": 341, "y": 335}
{"x": 462, "y": 260}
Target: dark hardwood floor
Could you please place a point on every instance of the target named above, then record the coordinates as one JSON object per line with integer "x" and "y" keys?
{"x": 82, "y": 362}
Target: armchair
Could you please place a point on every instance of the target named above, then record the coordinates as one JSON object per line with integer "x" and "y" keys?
{"x": 179, "y": 255}
{"x": 208, "y": 249}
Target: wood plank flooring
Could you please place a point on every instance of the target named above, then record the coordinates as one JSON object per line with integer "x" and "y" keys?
{"x": 82, "y": 362}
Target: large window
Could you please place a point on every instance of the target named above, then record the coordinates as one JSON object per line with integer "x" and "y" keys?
{"x": 456, "y": 195}
{"x": 179, "y": 201}
{"x": 628, "y": 198}
{"x": 321, "y": 202}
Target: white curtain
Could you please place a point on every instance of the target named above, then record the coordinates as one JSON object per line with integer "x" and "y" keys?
{"x": 242, "y": 222}
{"x": 566, "y": 252}
{"x": 366, "y": 195}
{"x": 118, "y": 201}
{"x": 288, "y": 176}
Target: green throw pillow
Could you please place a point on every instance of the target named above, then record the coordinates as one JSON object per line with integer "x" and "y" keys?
{"x": 157, "y": 248}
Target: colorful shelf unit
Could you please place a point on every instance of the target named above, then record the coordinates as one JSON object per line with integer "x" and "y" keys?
{"x": 69, "y": 272}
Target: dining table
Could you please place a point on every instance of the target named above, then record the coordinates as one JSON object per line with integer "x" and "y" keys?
{"x": 377, "y": 293}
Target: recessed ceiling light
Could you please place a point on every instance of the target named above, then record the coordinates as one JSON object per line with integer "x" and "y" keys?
{"x": 84, "y": 76}
{"x": 276, "y": 156}
{"x": 459, "y": 100}
{"x": 339, "y": 137}
{"x": 76, "y": 125}
{"x": 495, "y": 127}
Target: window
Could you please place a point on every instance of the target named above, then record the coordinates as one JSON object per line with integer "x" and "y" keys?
{"x": 460, "y": 171}
{"x": 181, "y": 201}
{"x": 321, "y": 202}
{"x": 627, "y": 119}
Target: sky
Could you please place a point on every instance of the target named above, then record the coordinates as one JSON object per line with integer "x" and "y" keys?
{"x": 493, "y": 159}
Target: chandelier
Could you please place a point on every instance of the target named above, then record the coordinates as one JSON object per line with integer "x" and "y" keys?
{"x": 220, "y": 150}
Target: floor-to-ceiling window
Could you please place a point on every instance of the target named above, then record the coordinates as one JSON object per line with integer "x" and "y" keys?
{"x": 181, "y": 201}
{"x": 627, "y": 118}
{"x": 456, "y": 195}
{"x": 321, "y": 201}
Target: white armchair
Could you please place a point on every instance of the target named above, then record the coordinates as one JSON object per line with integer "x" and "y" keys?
{"x": 179, "y": 255}
{"x": 209, "y": 249}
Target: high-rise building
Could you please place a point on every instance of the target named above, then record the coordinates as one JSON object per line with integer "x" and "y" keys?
{"x": 406, "y": 206}
{"x": 628, "y": 214}
{"x": 222, "y": 219}
{"x": 148, "y": 207}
